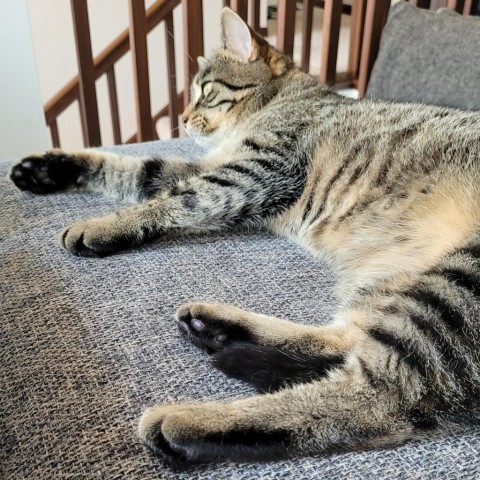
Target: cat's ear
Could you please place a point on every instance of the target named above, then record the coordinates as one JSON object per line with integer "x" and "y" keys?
{"x": 202, "y": 63}
{"x": 236, "y": 36}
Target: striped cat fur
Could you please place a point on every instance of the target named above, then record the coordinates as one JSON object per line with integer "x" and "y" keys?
{"x": 386, "y": 193}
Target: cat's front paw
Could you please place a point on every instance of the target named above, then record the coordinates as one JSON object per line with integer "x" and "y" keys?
{"x": 94, "y": 238}
{"x": 51, "y": 172}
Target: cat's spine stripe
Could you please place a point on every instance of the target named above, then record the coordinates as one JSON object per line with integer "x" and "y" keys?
{"x": 449, "y": 315}
{"x": 372, "y": 378}
{"x": 473, "y": 251}
{"x": 451, "y": 357}
{"x": 215, "y": 179}
{"x": 268, "y": 164}
{"x": 247, "y": 171}
{"x": 404, "y": 348}
{"x": 463, "y": 279}
{"x": 268, "y": 150}
{"x": 330, "y": 186}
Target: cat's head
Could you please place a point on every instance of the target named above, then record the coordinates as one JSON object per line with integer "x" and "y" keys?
{"x": 236, "y": 81}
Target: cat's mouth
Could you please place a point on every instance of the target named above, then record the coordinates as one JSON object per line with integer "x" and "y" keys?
{"x": 194, "y": 132}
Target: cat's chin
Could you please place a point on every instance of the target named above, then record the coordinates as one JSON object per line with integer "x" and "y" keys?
{"x": 210, "y": 141}
{"x": 207, "y": 142}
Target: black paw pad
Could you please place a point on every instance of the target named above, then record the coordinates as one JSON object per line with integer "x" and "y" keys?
{"x": 46, "y": 174}
{"x": 209, "y": 340}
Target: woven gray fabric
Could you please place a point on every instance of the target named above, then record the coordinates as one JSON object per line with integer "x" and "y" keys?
{"x": 87, "y": 344}
{"x": 429, "y": 57}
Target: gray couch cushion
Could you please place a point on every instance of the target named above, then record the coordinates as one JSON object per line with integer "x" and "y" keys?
{"x": 87, "y": 344}
{"x": 429, "y": 57}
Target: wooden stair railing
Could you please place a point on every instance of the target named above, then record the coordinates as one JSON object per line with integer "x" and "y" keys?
{"x": 368, "y": 18}
{"x": 82, "y": 87}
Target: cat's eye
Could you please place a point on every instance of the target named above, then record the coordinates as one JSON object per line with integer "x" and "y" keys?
{"x": 207, "y": 88}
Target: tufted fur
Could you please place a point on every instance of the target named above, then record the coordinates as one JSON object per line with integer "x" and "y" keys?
{"x": 387, "y": 193}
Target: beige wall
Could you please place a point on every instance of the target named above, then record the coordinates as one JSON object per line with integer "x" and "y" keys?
{"x": 22, "y": 126}
{"x": 52, "y": 31}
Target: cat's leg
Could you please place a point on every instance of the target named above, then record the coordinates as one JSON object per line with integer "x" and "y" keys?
{"x": 245, "y": 192}
{"x": 265, "y": 351}
{"x": 337, "y": 412}
{"x": 121, "y": 176}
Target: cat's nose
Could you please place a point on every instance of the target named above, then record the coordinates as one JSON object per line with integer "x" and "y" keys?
{"x": 184, "y": 119}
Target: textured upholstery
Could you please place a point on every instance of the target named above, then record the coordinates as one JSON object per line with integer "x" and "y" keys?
{"x": 429, "y": 57}
{"x": 86, "y": 344}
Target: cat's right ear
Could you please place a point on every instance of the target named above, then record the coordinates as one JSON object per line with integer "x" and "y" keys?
{"x": 236, "y": 36}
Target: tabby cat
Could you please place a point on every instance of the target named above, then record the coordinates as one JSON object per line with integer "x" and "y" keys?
{"x": 388, "y": 194}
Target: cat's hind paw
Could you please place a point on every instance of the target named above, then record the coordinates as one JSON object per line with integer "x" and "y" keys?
{"x": 210, "y": 326}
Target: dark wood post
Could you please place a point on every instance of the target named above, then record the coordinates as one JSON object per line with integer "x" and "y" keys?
{"x": 331, "y": 33}
{"x": 173, "y": 106}
{"x": 375, "y": 18}
{"x": 138, "y": 45}
{"x": 356, "y": 36}
{"x": 113, "y": 98}
{"x": 307, "y": 33}
{"x": 421, "y": 3}
{"x": 241, "y": 7}
{"x": 286, "y": 25}
{"x": 86, "y": 73}
{"x": 193, "y": 40}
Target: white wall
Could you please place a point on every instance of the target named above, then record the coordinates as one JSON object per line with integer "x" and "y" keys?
{"x": 54, "y": 44}
{"x": 22, "y": 123}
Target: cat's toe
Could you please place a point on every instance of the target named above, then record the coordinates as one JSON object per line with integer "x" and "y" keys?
{"x": 32, "y": 176}
{"x": 87, "y": 239}
{"x": 151, "y": 434}
{"x": 208, "y": 339}
{"x": 204, "y": 326}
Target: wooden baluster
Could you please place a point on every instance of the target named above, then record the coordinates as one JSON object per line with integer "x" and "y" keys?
{"x": 331, "y": 33}
{"x": 465, "y": 7}
{"x": 375, "y": 17}
{"x": 54, "y": 133}
{"x": 470, "y": 7}
{"x": 138, "y": 45}
{"x": 113, "y": 98}
{"x": 421, "y": 3}
{"x": 193, "y": 40}
{"x": 356, "y": 35}
{"x": 255, "y": 18}
{"x": 307, "y": 33}
{"x": 241, "y": 7}
{"x": 86, "y": 72}
{"x": 286, "y": 10}
{"x": 456, "y": 5}
{"x": 173, "y": 106}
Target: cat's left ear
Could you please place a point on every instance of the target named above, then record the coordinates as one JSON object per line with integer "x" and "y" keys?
{"x": 202, "y": 63}
{"x": 236, "y": 36}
